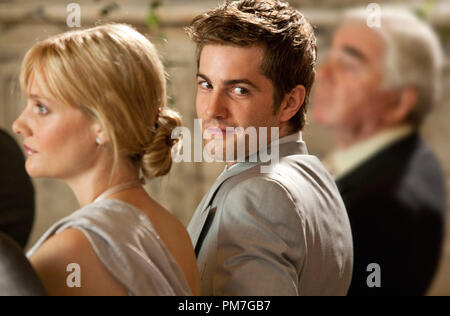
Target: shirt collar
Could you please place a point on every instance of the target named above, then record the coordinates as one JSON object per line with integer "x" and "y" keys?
{"x": 341, "y": 162}
{"x": 293, "y": 138}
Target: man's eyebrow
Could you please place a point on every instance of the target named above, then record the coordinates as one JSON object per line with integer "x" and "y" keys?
{"x": 353, "y": 52}
{"x": 232, "y": 82}
{"x": 203, "y": 77}
{"x": 241, "y": 81}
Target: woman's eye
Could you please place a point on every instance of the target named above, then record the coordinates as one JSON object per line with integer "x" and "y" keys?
{"x": 42, "y": 109}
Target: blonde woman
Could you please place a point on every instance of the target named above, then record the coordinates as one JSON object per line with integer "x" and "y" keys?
{"x": 96, "y": 119}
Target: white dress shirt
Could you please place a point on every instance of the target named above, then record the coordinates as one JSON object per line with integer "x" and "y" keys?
{"x": 341, "y": 162}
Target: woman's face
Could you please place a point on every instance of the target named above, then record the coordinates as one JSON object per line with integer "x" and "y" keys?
{"x": 59, "y": 140}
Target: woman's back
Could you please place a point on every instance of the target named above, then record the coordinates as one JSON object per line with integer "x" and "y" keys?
{"x": 127, "y": 244}
{"x": 172, "y": 232}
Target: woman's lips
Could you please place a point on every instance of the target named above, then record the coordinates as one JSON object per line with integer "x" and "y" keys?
{"x": 29, "y": 151}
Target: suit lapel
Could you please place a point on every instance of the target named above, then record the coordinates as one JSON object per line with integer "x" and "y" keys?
{"x": 196, "y": 225}
{"x": 201, "y": 213}
{"x": 223, "y": 177}
{"x": 386, "y": 161}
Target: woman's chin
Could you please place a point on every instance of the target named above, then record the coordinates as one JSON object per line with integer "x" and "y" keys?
{"x": 33, "y": 170}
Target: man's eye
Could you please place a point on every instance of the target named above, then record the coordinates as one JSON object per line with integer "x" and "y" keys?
{"x": 240, "y": 91}
{"x": 348, "y": 64}
{"x": 204, "y": 85}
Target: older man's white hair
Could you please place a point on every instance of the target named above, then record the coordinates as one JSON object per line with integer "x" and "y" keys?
{"x": 413, "y": 58}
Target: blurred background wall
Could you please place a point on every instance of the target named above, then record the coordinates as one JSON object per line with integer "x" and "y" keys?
{"x": 23, "y": 23}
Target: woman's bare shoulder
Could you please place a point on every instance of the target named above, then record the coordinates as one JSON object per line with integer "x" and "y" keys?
{"x": 68, "y": 265}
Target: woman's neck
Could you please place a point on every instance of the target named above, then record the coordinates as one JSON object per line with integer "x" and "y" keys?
{"x": 91, "y": 184}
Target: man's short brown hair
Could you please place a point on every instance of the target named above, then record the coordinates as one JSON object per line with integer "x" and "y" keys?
{"x": 287, "y": 37}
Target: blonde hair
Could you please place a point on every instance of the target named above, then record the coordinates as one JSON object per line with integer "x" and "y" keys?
{"x": 114, "y": 74}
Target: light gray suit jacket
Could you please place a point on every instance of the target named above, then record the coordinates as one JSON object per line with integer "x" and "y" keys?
{"x": 285, "y": 232}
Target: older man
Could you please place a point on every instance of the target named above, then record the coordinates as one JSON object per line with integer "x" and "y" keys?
{"x": 373, "y": 93}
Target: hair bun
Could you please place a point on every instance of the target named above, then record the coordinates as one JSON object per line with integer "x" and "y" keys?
{"x": 157, "y": 159}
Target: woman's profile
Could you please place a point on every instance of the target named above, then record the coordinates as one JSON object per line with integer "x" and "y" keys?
{"x": 96, "y": 118}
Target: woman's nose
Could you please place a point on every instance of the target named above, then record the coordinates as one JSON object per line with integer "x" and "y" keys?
{"x": 20, "y": 127}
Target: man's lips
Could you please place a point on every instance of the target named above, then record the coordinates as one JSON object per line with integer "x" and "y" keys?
{"x": 29, "y": 151}
{"x": 213, "y": 130}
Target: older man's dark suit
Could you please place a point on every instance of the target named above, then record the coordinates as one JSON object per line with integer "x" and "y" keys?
{"x": 16, "y": 192}
{"x": 396, "y": 206}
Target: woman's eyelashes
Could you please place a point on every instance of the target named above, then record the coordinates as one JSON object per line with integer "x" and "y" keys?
{"x": 41, "y": 109}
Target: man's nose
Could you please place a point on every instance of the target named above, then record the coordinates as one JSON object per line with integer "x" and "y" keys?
{"x": 324, "y": 72}
{"x": 217, "y": 106}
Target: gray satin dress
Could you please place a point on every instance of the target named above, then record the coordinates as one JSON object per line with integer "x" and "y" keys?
{"x": 128, "y": 245}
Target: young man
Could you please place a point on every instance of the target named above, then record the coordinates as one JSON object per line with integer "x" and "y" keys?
{"x": 283, "y": 231}
{"x": 373, "y": 93}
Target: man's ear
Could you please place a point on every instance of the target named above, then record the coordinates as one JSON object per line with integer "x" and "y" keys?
{"x": 407, "y": 101}
{"x": 292, "y": 103}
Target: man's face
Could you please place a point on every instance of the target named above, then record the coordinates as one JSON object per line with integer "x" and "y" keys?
{"x": 349, "y": 93}
{"x": 232, "y": 92}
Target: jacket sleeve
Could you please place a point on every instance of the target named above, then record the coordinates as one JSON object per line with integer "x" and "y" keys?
{"x": 260, "y": 241}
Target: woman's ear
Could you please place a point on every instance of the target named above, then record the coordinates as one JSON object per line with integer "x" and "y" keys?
{"x": 101, "y": 137}
{"x": 292, "y": 103}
